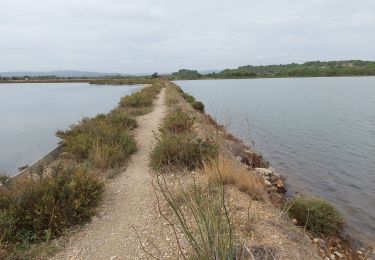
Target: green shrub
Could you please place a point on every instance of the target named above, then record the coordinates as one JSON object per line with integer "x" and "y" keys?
{"x": 36, "y": 210}
{"x": 198, "y": 106}
{"x": 319, "y": 216}
{"x": 177, "y": 122}
{"x": 103, "y": 140}
{"x": 176, "y": 151}
{"x": 189, "y": 98}
{"x": 142, "y": 98}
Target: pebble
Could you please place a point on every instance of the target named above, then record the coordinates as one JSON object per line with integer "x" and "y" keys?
{"x": 316, "y": 240}
{"x": 295, "y": 221}
{"x": 359, "y": 252}
{"x": 338, "y": 254}
{"x": 268, "y": 183}
{"x": 332, "y": 257}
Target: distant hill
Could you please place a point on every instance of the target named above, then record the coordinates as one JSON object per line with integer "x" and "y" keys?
{"x": 307, "y": 69}
{"x": 57, "y": 73}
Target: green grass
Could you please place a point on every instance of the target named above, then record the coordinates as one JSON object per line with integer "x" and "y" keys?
{"x": 318, "y": 215}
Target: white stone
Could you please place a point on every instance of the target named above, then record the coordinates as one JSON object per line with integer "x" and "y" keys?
{"x": 338, "y": 254}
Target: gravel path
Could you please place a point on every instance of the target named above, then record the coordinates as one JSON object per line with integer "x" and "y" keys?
{"x": 129, "y": 205}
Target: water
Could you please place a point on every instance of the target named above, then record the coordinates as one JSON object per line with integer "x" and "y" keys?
{"x": 320, "y": 132}
{"x": 31, "y": 113}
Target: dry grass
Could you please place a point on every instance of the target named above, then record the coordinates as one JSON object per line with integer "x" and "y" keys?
{"x": 227, "y": 171}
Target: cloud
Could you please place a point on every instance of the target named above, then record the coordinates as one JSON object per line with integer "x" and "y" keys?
{"x": 164, "y": 35}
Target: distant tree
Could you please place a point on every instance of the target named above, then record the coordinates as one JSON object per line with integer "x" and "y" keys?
{"x": 155, "y": 75}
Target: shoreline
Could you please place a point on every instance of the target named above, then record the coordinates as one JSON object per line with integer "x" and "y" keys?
{"x": 349, "y": 236}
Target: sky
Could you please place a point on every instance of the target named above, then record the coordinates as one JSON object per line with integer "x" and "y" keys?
{"x": 144, "y": 36}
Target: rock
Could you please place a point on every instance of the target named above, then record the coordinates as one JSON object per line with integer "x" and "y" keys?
{"x": 264, "y": 171}
{"x": 359, "y": 252}
{"x": 295, "y": 221}
{"x": 280, "y": 184}
{"x": 113, "y": 257}
{"x": 268, "y": 184}
{"x": 332, "y": 257}
{"x": 338, "y": 254}
{"x": 316, "y": 240}
{"x": 168, "y": 239}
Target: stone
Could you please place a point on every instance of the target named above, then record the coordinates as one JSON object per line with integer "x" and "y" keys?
{"x": 359, "y": 252}
{"x": 332, "y": 257}
{"x": 268, "y": 184}
{"x": 316, "y": 240}
{"x": 295, "y": 221}
{"x": 113, "y": 257}
{"x": 264, "y": 171}
{"x": 338, "y": 254}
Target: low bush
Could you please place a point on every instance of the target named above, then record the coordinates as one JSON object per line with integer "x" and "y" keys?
{"x": 143, "y": 98}
{"x": 178, "y": 122}
{"x": 226, "y": 171}
{"x": 177, "y": 151}
{"x": 189, "y": 98}
{"x": 198, "y": 106}
{"x": 37, "y": 210}
{"x": 103, "y": 140}
{"x": 318, "y": 215}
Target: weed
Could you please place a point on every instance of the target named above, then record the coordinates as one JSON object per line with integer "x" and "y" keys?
{"x": 203, "y": 219}
{"x": 225, "y": 170}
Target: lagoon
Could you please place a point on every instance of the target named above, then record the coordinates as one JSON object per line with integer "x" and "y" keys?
{"x": 31, "y": 113}
{"x": 319, "y": 132}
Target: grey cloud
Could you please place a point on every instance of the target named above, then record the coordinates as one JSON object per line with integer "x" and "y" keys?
{"x": 164, "y": 35}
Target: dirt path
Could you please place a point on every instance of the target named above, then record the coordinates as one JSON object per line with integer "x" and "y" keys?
{"x": 129, "y": 203}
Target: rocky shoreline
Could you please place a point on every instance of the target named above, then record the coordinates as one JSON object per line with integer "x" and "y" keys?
{"x": 341, "y": 246}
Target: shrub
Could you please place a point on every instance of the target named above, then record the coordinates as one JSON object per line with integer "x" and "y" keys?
{"x": 141, "y": 99}
{"x": 103, "y": 140}
{"x": 177, "y": 151}
{"x": 36, "y": 210}
{"x": 198, "y": 106}
{"x": 224, "y": 170}
{"x": 189, "y": 98}
{"x": 177, "y": 122}
{"x": 318, "y": 215}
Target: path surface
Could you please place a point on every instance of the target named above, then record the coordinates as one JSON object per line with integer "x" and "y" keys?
{"x": 129, "y": 202}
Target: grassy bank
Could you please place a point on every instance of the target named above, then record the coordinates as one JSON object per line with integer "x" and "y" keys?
{"x": 216, "y": 195}
{"x": 36, "y": 209}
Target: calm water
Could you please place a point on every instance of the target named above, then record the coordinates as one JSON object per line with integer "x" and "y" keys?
{"x": 320, "y": 132}
{"x": 31, "y": 113}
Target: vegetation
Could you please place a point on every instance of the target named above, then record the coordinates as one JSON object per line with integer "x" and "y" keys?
{"x": 202, "y": 215}
{"x": 186, "y": 74}
{"x": 105, "y": 140}
{"x": 131, "y": 80}
{"x": 38, "y": 210}
{"x": 178, "y": 147}
{"x": 225, "y": 171}
{"x": 307, "y": 69}
{"x": 319, "y": 216}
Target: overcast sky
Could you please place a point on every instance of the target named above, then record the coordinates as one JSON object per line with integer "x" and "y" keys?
{"x": 164, "y": 35}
